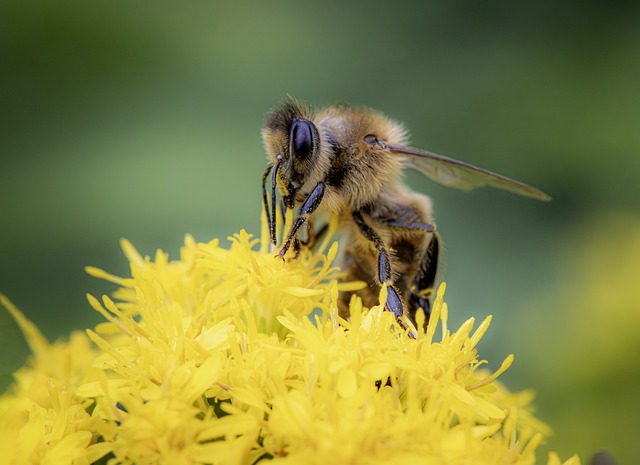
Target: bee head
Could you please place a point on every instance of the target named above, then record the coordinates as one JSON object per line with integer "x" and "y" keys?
{"x": 292, "y": 142}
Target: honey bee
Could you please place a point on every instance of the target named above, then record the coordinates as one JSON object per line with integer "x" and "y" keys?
{"x": 348, "y": 161}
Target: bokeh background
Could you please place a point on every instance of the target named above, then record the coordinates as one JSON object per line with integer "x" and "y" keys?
{"x": 142, "y": 119}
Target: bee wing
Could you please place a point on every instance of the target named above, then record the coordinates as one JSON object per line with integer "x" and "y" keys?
{"x": 455, "y": 173}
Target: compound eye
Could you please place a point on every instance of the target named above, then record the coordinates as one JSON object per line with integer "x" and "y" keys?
{"x": 302, "y": 138}
{"x": 371, "y": 139}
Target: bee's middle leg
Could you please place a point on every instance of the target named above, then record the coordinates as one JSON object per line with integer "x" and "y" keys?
{"x": 421, "y": 288}
{"x": 384, "y": 275}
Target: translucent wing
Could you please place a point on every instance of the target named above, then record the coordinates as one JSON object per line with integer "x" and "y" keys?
{"x": 454, "y": 173}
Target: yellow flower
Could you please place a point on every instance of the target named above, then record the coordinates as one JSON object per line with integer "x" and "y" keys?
{"x": 41, "y": 420}
{"x": 231, "y": 356}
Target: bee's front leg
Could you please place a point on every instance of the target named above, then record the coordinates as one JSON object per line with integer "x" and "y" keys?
{"x": 309, "y": 206}
{"x": 394, "y": 302}
{"x": 265, "y": 204}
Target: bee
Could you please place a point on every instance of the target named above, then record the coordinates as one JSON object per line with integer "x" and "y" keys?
{"x": 348, "y": 161}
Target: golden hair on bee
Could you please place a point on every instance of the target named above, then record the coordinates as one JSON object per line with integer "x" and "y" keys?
{"x": 348, "y": 161}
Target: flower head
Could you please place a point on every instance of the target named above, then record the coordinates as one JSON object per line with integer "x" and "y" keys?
{"x": 229, "y": 355}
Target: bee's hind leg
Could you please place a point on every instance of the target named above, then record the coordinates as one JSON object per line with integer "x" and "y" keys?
{"x": 422, "y": 288}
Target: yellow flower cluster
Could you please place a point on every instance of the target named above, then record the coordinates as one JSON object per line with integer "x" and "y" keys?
{"x": 230, "y": 356}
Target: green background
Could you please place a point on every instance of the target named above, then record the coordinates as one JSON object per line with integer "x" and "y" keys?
{"x": 142, "y": 120}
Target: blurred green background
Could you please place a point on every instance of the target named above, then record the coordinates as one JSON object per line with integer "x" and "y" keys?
{"x": 141, "y": 120}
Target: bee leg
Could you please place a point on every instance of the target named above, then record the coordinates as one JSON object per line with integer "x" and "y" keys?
{"x": 423, "y": 283}
{"x": 309, "y": 206}
{"x": 274, "y": 183}
{"x": 394, "y": 302}
{"x": 265, "y": 203}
